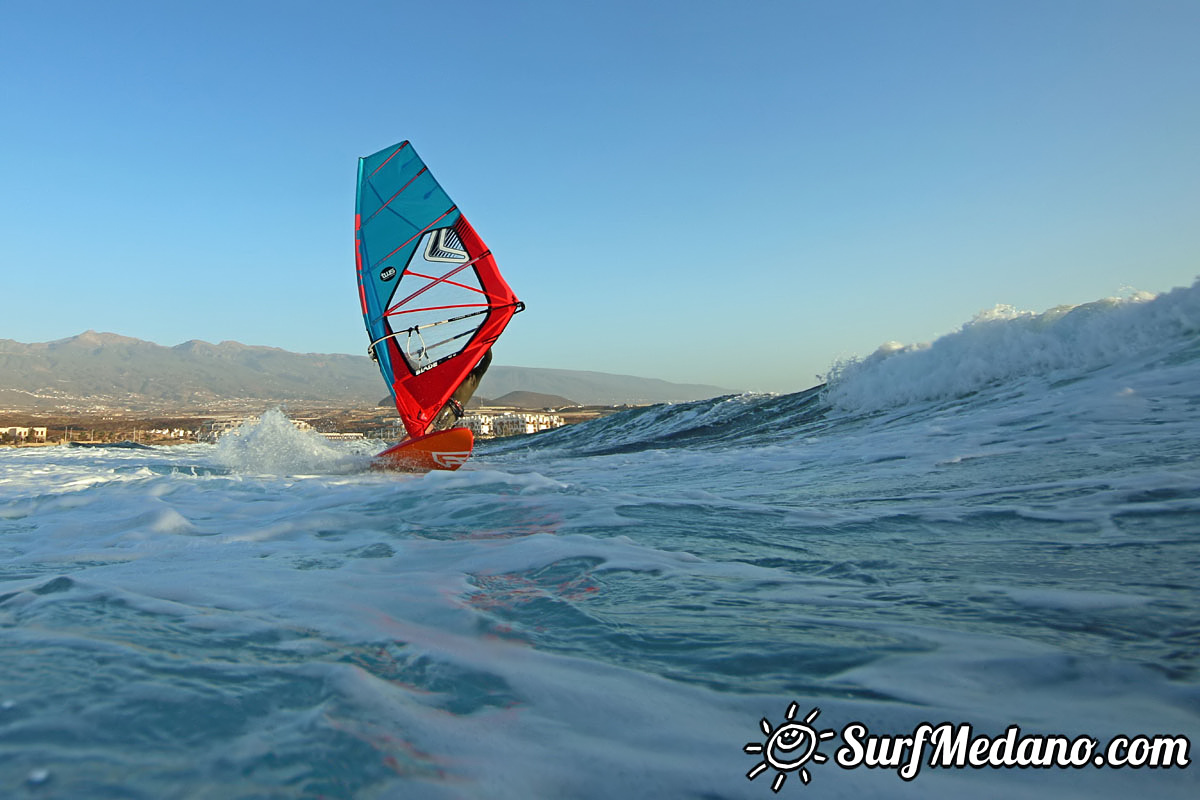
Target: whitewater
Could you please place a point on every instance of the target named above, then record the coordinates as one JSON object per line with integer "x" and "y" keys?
{"x": 999, "y": 528}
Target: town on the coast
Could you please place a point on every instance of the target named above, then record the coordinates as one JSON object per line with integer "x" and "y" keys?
{"x": 110, "y": 425}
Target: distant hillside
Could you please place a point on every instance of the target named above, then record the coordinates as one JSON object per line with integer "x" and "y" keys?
{"x": 94, "y": 371}
{"x": 532, "y": 400}
{"x": 107, "y": 370}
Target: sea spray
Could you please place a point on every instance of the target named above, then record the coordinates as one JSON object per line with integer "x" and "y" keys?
{"x": 274, "y": 445}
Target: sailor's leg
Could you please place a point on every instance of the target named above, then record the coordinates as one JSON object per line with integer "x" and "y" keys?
{"x": 453, "y": 410}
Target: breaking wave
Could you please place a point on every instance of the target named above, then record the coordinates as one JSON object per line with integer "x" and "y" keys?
{"x": 1004, "y": 344}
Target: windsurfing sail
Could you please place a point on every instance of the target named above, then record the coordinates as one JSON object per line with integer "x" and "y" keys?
{"x": 432, "y": 296}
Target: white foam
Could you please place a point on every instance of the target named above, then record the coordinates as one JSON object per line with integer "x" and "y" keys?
{"x": 273, "y": 445}
{"x": 1004, "y": 344}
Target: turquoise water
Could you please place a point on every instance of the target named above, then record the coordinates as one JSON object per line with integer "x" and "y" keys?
{"x": 1002, "y": 528}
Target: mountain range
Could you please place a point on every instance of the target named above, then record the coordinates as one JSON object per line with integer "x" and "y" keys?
{"x": 96, "y": 371}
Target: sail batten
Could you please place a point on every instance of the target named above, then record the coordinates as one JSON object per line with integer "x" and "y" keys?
{"x": 435, "y": 262}
{"x": 394, "y": 196}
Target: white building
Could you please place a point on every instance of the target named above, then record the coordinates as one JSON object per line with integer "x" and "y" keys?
{"x": 478, "y": 424}
{"x": 510, "y": 424}
{"x": 171, "y": 433}
{"x": 15, "y": 434}
{"x": 214, "y": 429}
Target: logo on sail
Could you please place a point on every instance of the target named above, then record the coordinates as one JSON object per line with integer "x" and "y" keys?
{"x": 444, "y": 245}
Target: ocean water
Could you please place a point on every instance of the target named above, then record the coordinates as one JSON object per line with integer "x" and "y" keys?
{"x": 1001, "y": 528}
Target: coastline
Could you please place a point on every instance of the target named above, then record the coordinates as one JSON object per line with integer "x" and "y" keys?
{"x": 159, "y": 428}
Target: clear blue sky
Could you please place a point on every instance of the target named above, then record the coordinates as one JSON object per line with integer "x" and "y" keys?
{"x": 734, "y": 193}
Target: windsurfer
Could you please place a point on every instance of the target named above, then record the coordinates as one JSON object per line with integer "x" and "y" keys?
{"x": 437, "y": 316}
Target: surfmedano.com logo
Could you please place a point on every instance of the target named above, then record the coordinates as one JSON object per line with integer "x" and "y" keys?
{"x": 791, "y": 745}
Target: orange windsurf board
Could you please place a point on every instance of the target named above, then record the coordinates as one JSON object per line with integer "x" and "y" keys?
{"x": 447, "y": 449}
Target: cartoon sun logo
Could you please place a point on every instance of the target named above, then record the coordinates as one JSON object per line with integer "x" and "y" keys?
{"x": 789, "y": 747}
